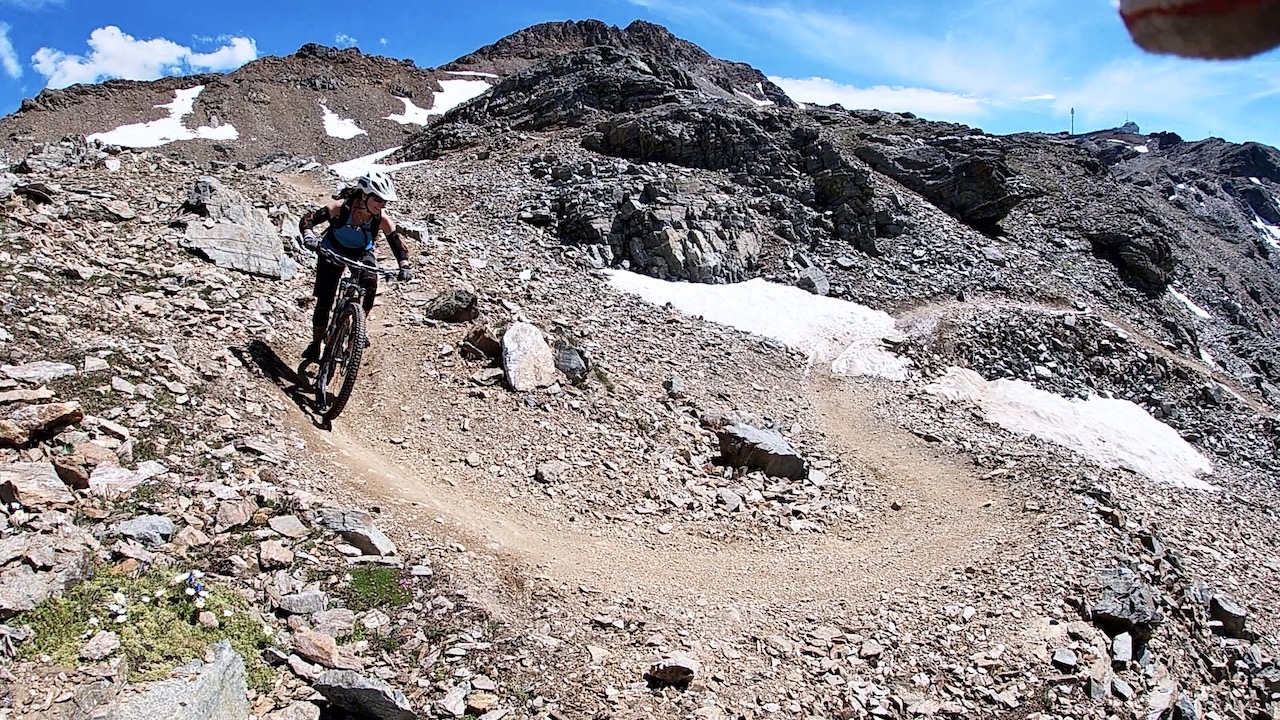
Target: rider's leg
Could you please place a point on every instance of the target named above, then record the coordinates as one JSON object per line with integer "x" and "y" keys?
{"x": 326, "y": 287}
{"x": 369, "y": 282}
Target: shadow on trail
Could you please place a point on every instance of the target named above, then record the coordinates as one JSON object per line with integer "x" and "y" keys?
{"x": 295, "y": 383}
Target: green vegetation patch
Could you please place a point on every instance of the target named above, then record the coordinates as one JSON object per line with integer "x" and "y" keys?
{"x": 379, "y": 587}
{"x": 154, "y": 615}
{"x": 384, "y": 641}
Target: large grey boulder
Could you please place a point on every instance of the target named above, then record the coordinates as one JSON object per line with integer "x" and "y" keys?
{"x": 1124, "y": 603}
{"x": 357, "y": 528}
{"x": 22, "y": 588}
{"x": 364, "y": 697}
{"x": 233, "y": 234}
{"x": 35, "y": 421}
{"x": 453, "y": 305}
{"x": 1142, "y": 254}
{"x": 150, "y": 530}
{"x": 39, "y": 372}
{"x": 527, "y": 360}
{"x": 33, "y": 485}
{"x": 814, "y": 280}
{"x": 199, "y": 690}
{"x": 765, "y": 450}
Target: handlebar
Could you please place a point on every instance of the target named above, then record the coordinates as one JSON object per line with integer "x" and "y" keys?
{"x": 337, "y": 259}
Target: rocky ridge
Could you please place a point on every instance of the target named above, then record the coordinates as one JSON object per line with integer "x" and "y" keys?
{"x": 277, "y": 105}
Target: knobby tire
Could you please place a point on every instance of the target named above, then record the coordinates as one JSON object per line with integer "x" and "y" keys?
{"x": 348, "y": 336}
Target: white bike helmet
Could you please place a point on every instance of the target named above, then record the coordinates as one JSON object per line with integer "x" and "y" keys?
{"x": 377, "y": 183}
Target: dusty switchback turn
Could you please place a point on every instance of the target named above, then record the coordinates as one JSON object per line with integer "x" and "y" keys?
{"x": 949, "y": 520}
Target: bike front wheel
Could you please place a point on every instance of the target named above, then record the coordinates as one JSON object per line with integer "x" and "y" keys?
{"x": 341, "y": 361}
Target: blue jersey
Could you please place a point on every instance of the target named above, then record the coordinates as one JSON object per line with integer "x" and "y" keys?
{"x": 350, "y": 236}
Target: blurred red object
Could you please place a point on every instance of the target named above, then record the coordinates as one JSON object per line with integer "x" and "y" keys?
{"x": 1214, "y": 29}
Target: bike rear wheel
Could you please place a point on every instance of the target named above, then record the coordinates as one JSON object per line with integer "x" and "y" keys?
{"x": 341, "y": 361}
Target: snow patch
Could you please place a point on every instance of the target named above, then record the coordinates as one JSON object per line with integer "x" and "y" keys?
{"x": 1142, "y": 148}
{"x": 166, "y": 130}
{"x": 412, "y": 115}
{"x": 455, "y": 92}
{"x": 1195, "y": 309}
{"x": 471, "y": 72}
{"x": 1111, "y": 433}
{"x": 1271, "y": 231}
{"x": 1255, "y": 181}
{"x": 758, "y": 103}
{"x": 359, "y": 166}
{"x": 845, "y": 334}
{"x": 339, "y": 127}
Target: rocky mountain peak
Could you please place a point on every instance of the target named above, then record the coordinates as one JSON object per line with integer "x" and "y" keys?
{"x": 544, "y": 40}
{"x": 531, "y": 46}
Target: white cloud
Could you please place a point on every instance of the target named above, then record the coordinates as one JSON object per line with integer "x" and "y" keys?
{"x": 235, "y": 53}
{"x": 115, "y": 54}
{"x": 344, "y": 40}
{"x": 8, "y": 58}
{"x": 382, "y": 41}
{"x": 921, "y": 101}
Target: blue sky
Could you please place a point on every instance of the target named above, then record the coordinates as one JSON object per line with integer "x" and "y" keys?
{"x": 998, "y": 65}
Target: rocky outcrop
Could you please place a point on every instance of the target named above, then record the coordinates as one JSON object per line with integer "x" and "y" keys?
{"x": 232, "y": 234}
{"x": 662, "y": 228}
{"x": 965, "y": 176}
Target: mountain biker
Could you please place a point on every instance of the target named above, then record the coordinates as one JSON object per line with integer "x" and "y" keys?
{"x": 355, "y": 218}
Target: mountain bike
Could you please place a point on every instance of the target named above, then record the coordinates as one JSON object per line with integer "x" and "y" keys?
{"x": 345, "y": 338}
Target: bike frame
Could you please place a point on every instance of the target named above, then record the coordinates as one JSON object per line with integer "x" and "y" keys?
{"x": 348, "y": 298}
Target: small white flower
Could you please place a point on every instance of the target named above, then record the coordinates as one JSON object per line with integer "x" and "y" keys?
{"x": 93, "y": 621}
{"x": 228, "y": 612}
{"x": 197, "y": 574}
{"x": 268, "y": 630}
{"x": 181, "y": 578}
{"x": 191, "y": 591}
{"x": 119, "y": 598}
{"x": 199, "y": 603}
{"x": 121, "y": 618}
{"x": 159, "y": 594}
{"x": 204, "y": 593}
{"x": 144, "y": 599}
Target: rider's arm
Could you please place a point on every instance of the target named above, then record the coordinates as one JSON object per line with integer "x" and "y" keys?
{"x": 320, "y": 215}
{"x": 396, "y": 239}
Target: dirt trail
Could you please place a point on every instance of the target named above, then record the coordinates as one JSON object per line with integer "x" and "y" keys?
{"x": 949, "y": 520}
